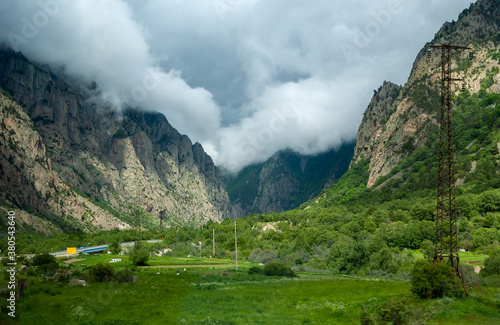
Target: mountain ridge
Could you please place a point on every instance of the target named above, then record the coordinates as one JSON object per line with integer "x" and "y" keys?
{"x": 126, "y": 161}
{"x": 411, "y": 116}
{"x": 287, "y": 179}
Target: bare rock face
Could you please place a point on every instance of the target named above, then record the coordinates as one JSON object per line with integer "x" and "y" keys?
{"x": 78, "y": 162}
{"x": 287, "y": 179}
{"x": 398, "y": 119}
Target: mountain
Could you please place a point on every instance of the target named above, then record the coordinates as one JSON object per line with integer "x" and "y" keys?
{"x": 399, "y": 126}
{"x": 286, "y": 180}
{"x": 401, "y": 119}
{"x": 70, "y": 161}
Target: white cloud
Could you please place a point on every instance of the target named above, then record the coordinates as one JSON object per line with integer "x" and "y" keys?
{"x": 245, "y": 78}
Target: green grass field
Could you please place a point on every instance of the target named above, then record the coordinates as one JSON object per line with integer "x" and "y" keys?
{"x": 207, "y": 296}
{"x": 90, "y": 260}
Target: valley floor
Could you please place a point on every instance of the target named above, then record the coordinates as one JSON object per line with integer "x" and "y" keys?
{"x": 212, "y": 294}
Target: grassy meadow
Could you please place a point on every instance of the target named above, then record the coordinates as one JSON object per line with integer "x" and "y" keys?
{"x": 206, "y": 294}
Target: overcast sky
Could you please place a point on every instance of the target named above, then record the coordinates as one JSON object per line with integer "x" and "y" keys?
{"x": 245, "y": 78}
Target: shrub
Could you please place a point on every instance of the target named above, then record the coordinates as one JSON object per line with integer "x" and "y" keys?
{"x": 491, "y": 281}
{"x": 115, "y": 248}
{"x": 45, "y": 263}
{"x": 124, "y": 275}
{"x": 394, "y": 311}
{"x": 101, "y": 272}
{"x": 472, "y": 279}
{"x": 255, "y": 270}
{"x": 435, "y": 280}
{"x": 492, "y": 264}
{"x": 120, "y": 134}
{"x": 262, "y": 256}
{"x": 272, "y": 269}
{"x": 139, "y": 256}
{"x": 428, "y": 250}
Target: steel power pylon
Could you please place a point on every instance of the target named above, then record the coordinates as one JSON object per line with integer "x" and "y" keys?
{"x": 446, "y": 218}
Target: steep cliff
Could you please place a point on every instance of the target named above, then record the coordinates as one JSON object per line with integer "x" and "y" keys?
{"x": 100, "y": 158}
{"x": 287, "y": 180}
{"x": 399, "y": 120}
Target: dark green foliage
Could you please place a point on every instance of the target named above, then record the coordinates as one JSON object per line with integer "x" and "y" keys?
{"x": 278, "y": 269}
{"x": 101, "y": 272}
{"x": 139, "y": 256}
{"x": 435, "y": 280}
{"x": 255, "y": 270}
{"x": 120, "y": 134}
{"x": 383, "y": 260}
{"x": 115, "y": 248}
{"x": 492, "y": 264}
{"x": 6, "y": 94}
{"x": 394, "y": 311}
{"x": 45, "y": 263}
{"x": 484, "y": 237}
{"x": 428, "y": 250}
{"x": 124, "y": 275}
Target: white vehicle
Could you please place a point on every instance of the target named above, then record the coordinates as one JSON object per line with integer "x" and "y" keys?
{"x": 114, "y": 260}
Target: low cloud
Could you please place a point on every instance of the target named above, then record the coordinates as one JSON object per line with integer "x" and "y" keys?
{"x": 245, "y": 78}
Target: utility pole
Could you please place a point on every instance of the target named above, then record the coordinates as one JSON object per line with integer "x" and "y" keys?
{"x": 137, "y": 224}
{"x": 213, "y": 242}
{"x": 446, "y": 216}
{"x": 137, "y": 229}
{"x": 236, "y": 244}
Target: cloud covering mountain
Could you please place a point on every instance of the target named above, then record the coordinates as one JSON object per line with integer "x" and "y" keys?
{"x": 246, "y": 78}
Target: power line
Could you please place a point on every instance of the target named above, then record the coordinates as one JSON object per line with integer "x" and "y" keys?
{"x": 446, "y": 215}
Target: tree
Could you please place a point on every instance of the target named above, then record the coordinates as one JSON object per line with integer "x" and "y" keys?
{"x": 492, "y": 264}
{"x": 278, "y": 269}
{"x": 484, "y": 237}
{"x": 435, "y": 280}
{"x": 428, "y": 250}
{"x": 370, "y": 225}
{"x": 383, "y": 260}
{"x": 115, "y": 248}
{"x": 139, "y": 256}
{"x": 101, "y": 272}
{"x": 45, "y": 263}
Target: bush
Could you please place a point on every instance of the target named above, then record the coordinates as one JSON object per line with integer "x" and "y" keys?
{"x": 435, "y": 280}
{"x": 115, "y": 248}
{"x": 262, "y": 256}
{"x": 120, "y": 134}
{"x": 472, "y": 279}
{"x": 101, "y": 272}
{"x": 45, "y": 263}
{"x": 428, "y": 250}
{"x": 491, "y": 281}
{"x": 139, "y": 256}
{"x": 124, "y": 275}
{"x": 255, "y": 270}
{"x": 394, "y": 311}
{"x": 278, "y": 269}
{"x": 492, "y": 264}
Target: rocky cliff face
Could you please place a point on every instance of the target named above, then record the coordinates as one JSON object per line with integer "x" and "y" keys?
{"x": 287, "y": 180}
{"x": 90, "y": 163}
{"x": 398, "y": 119}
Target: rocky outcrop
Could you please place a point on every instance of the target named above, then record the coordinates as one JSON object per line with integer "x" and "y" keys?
{"x": 118, "y": 160}
{"x": 399, "y": 120}
{"x": 286, "y": 180}
{"x": 29, "y": 181}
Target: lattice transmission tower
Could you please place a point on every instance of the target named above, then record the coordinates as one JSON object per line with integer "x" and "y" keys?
{"x": 446, "y": 249}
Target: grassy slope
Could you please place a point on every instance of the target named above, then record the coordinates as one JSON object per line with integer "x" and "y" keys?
{"x": 203, "y": 296}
